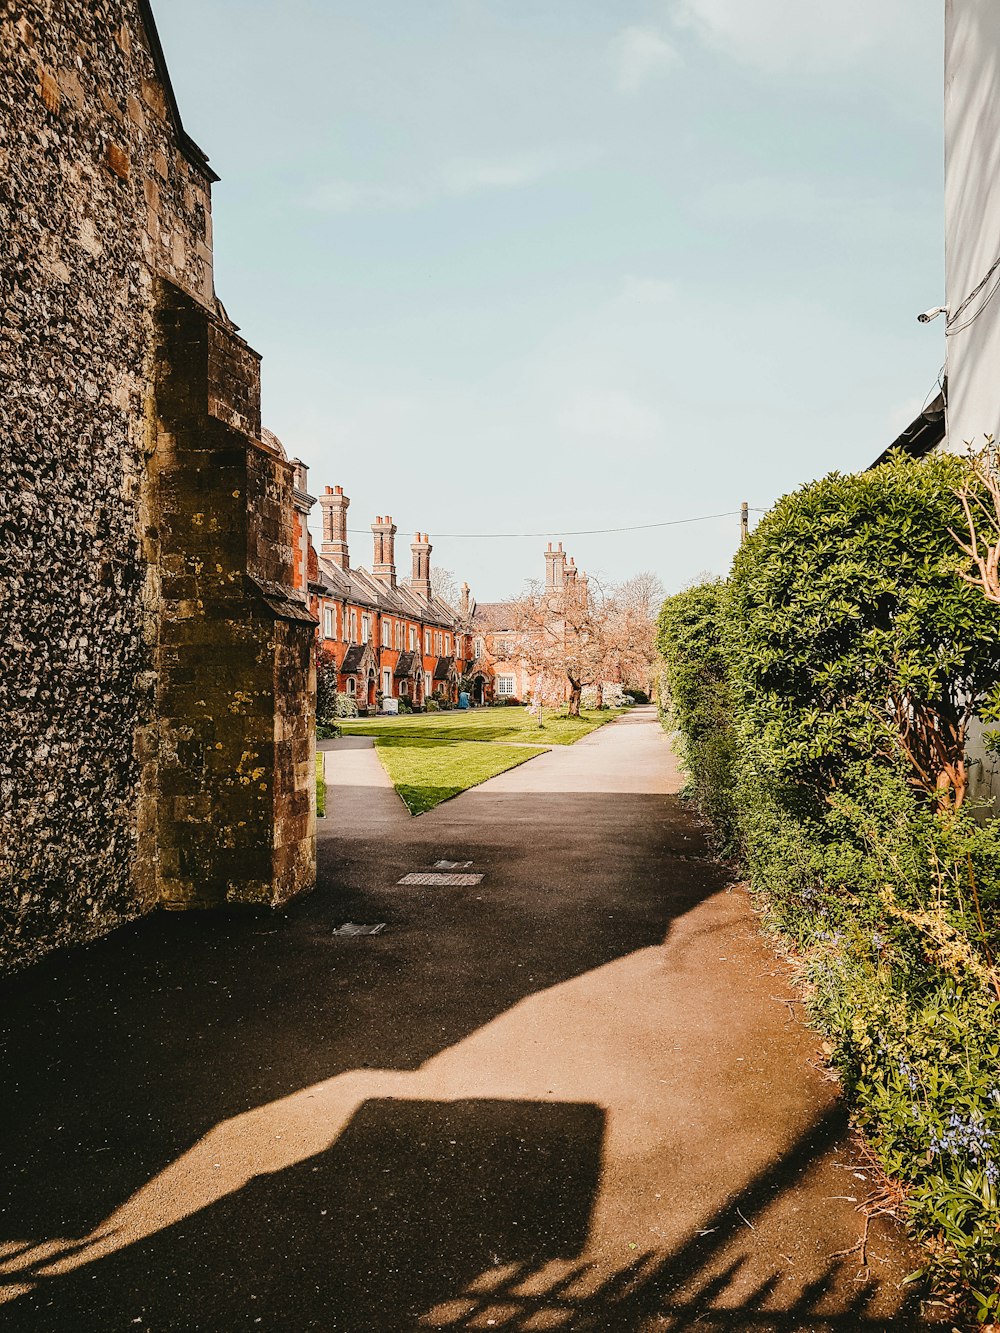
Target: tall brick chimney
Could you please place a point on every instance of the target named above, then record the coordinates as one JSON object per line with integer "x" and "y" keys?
{"x": 420, "y": 583}
{"x": 334, "y": 505}
{"x": 384, "y": 566}
{"x": 555, "y": 568}
{"x": 463, "y": 606}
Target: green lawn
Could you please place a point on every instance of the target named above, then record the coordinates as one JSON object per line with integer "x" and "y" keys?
{"x": 426, "y": 771}
{"x": 483, "y": 724}
{"x": 320, "y": 786}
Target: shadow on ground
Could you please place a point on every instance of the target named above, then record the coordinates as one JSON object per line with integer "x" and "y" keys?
{"x": 120, "y": 1056}
{"x": 463, "y": 1214}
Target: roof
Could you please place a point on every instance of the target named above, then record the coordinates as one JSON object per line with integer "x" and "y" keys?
{"x": 358, "y": 585}
{"x": 445, "y": 666}
{"x": 493, "y": 615}
{"x": 186, "y": 146}
{"x": 923, "y": 435}
{"x": 353, "y": 658}
{"x": 407, "y": 665}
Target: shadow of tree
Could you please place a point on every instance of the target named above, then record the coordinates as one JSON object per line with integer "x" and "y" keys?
{"x": 466, "y": 1214}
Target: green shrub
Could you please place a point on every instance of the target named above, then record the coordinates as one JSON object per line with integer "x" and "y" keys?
{"x": 431, "y": 706}
{"x": 823, "y": 696}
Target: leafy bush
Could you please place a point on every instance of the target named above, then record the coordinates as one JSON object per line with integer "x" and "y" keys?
{"x": 327, "y": 731}
{"x": 637, "y": 696}
{"x": 823, "y": 696}
{"x": 431, "y": 706}
{"x": 326, "y": 685}
{"x": 346, "y": 705}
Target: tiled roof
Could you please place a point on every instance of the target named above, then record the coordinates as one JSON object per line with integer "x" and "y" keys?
{"x": 407, "y": 665}
{"x": 493, "y": 615}
{"x": 444, "y": 666}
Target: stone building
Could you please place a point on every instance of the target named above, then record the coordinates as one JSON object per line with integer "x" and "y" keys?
{"x": 389, "y": 639}
{"x": 157, "y": 661}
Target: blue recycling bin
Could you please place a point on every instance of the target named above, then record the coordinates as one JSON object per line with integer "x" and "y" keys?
{"x": 463, "y": 700}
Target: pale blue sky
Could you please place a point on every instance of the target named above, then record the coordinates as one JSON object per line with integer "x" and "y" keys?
{"x": 541, "y": 265}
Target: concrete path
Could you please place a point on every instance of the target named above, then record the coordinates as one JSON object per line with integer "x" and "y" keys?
{"x": 572, "y": 1095}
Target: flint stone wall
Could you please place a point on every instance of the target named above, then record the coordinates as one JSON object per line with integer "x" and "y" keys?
{"x": 105, "y": 214}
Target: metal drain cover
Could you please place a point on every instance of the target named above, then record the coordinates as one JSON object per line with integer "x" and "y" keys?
{"x": 349, "y": 928}
{"x": 434, "y": 880}
{"x": 452, "y": 865}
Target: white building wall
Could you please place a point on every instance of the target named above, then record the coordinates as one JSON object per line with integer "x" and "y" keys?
{"x": 972, "y": 218}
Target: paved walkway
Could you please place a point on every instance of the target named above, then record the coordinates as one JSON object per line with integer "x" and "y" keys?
{"x": 571, "y": 1095}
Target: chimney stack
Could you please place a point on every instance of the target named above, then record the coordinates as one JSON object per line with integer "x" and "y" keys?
{"x": 555, "y": 567}
{"x": 420, "y": 583}
{"x": 384, "y": 566}
{"x": 334, "y": 505}
{"x": 464, "y": 603}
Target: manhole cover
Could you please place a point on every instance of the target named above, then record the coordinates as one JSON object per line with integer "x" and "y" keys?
{"x": 452, "y": 865}
{"x": 434, "y": 880}
{"x": 349, "y": 928}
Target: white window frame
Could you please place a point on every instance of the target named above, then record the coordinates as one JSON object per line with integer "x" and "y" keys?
{"x": 354, "y": 626}
{"x": 413, "y": 638}
{"x": 352, "y": 685}
{"x": 447, "y": 645}
{"x": 428, "y": 684}
{"x": 329, "y": 622}
{"x": 386, "y": 633}
{"x": 387, "y": 682}
{"x": 479, "y": 647}
{"x": 506, "y": 687}
{"x": 366, "y": 628}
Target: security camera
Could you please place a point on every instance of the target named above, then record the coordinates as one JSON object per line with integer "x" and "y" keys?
{"x": 928, "y": 315}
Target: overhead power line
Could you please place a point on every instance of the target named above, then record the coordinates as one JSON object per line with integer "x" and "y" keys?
{"x": 580, "y": 532}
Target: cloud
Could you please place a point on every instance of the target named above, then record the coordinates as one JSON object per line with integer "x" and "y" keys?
{"x": 810, "y": 207}
{"x": 610, "y": 416}
{"x": 647, "y": 291}
{"x": 343, "y": 196}
{"x": 639, "y": 55}
{"x": 468, "y": 175}
{"x": 461, "y": 176}
{"x": 778, "y": 35}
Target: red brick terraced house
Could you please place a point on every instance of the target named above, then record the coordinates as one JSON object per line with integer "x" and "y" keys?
{"x": 390, "y": 640}
{"x": 499, "y": 670}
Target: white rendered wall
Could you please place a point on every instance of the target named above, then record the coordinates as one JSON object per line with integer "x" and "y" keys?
{"x": 972, "y": 217}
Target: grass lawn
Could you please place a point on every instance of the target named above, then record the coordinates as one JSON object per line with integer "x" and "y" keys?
{"x": 426, "y": 771}
{"x": 320, "y": 786}
{"x": 483, "y": 724}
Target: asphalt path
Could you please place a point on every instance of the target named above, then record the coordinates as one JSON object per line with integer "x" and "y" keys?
{"x": 574, "y": 1093}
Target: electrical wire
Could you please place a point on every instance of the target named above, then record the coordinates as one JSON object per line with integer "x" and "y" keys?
{"x": 581, "y": 532}
{"x": 951, "y": 325}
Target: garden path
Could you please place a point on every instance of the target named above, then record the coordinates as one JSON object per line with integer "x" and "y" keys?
{"x": 573, "y": 1094}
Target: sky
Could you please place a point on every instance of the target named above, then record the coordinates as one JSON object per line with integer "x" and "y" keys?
{"x": 547, "y": 266}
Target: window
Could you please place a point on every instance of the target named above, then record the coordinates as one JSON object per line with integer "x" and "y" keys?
{"x": 413, "y": 638}
{"x": 352, "y": 685}
{"x": 428, "y": 684}
{"x": 502, "y": 647}
{"x": 366, "y": 628}
{"x": 354, "y": 627}
{"x": 428, "y": 644}
{"x": 328, "y": 622}
{"x": 387, "y": 683}
{"x": 505, "y": 686}
{"x": 447, "y": 644}
{"x": 479, "y": 648}
{"x": 399, "y": 634}
{"x": 437, "y": 639}
{"x": 386, "y": 633}
{"x": 404, "y": 687}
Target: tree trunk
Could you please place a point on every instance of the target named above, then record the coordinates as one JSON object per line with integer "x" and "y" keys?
{"x": 576, "y": 690}
{"x": 599, "y": 701}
